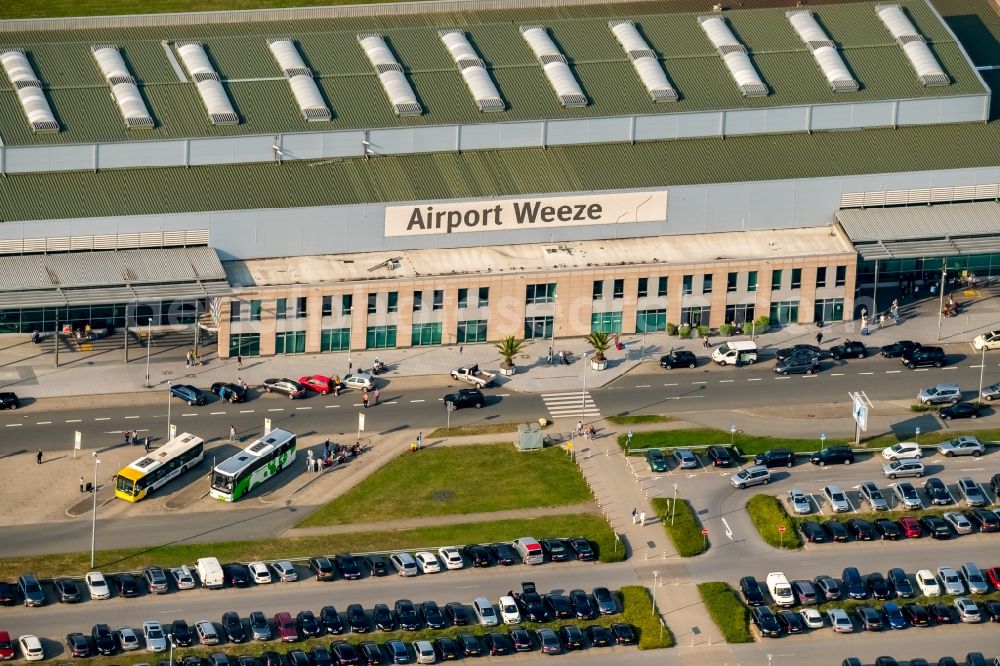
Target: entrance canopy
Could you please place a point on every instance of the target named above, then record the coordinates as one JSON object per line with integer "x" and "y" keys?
{"x": 906, "y": 232}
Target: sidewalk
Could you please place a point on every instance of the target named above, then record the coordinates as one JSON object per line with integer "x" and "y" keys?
{"x": 25, "y": 369}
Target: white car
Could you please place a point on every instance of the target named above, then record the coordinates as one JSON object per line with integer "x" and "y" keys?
{"x": 958, "y": 522}
{"x": 451, "y": 557}
{"x": 968, "y": 610}
{"x": 155, "y": 640}
{"x": 812, "y": 618}
{"x": 840, "y": 621}
{"x": 260, "y": 573}
{"x": 97, "y": 585}
{"x": 928, "y": 583}
{"x": 360, "y": 381}
{"x": 127, "y": 640}
{"x": 950, "y": 581}
{"x": 509, "y": 612}
{"x": 425, "y": 652}
{"x": 31, "y": 648}
{"x": 428, "y": 562}
{"x": 989, "y": 340}
{"x": 207, "y": 635}
{"x": 286, "y": 571}
{"x": 800, "y": 503}
{"x": 183, "y": 578}
{"x": 837, "y": 498}
{"x": 902, "y": 451}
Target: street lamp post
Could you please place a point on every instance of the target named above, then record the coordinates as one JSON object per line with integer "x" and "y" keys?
{"x": 769, "y": 658}
{"x": 583, "y": 396}
{"x": 673, "y": 506}
{"x": 170, "y": 642}
{"x": 149, "y": 346}
{"x": 656, "y": 577}
{"x": 732, "y": 435}
{"x": 822, "y": 440}
{"x": 169, "y": 384}
{"x": 628, "y": 442}
{"x": 944, "y": 277}
{"x": 93, "y": 526}
{"x": 982, "y": 369}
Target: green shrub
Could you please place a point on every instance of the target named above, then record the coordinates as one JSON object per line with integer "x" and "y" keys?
{"x": 671, "y": 329}
{"x": 727, "y": 611}
{"x": 685, "y": 531}
{"x": 684, "y": 331}
{"x": 768, "y": 514}
{"x": 703, "y": 331}
{"x": 701, "y": 437}
{"x": 925, "y": 408}
{"x": 637, "y": 610}
{"x": 762, "y": 323}
{"x": 726, "y": 329}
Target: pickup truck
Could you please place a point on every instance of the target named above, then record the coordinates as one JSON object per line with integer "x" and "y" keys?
{"x": 780, "y": 589}
{"x": 472, "y": 374}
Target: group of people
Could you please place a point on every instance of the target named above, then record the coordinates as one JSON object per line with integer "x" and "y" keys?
{"x": 562, "y": 356}
{"x": 331, "y": 454}
{"x": 191, "y": 358}
{"x": 588, "y": 431}
{"x": 950, "y": 308}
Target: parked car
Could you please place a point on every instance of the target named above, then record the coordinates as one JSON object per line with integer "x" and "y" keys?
{"x": 330, "y": 620}
{"x": 937, "y": 492}
{"x": 801, "y": 350}
{"x": 685, "y": 459}
{"x": 558, "y": 606}
{"x": 848, "y": 349}
{"x": 77, "y": 644}
{"x": 498, "y": 644}
{"x": 259, "y": 627}
{"x": 360, "y": 381}
{"x": 182, "y": 577}
{"x": 991, "y": 392}
{"x": 451, "y": 557}
{"x": 971, "y": 492}
{"x": 466, "y": 397}
{"x": 829, "y": 587}
{"x": 623, "y": 633}
{"x": 924, "y": 357}
{"x": 152, "y": 633}
{"x": 549, "y": 641}
{"x": 426, "y": 561}
{"x": 97, "y": 586}
{"x": 238, "y": 575}
{"x": 207, "y": 635}
{"x": 378, "y": 565}
{"x": 285, "y": 625}
{"x": 968, "y": 610}
{"x": 407, "y": 616}
{"x": 838, "y": 531}
{"x": 917, "y": 615}
{"x": 582, "y": 549}
{"x": 9, "y": 400}
{"x": 854, "y": 584}
{"x": 404, "y": 564}
{"x": 940, "y": 394}
{"x": 775, "y": 458}
{"x": 600, "y": 636}
{"x": 260, "y": 573}
{"x": 188, "y": 394}
{"x": 752, "y": 591}
{"x": 357, "y": 619}
{"x": 765, "y": 621}
{"x": 894, "y": 617}
{"x": 873, "y": 496}
{"x": 31, "y": 590}
{"x": 307, "y": 624}
{"x": 949, "y": 580}
{"x": 503, "y": 553}
{"x": 318, "y": 383}
{"x": 232, "y": 625}
{"x": 555, "y": 550}
{"x": 833, "y": 455}
{"x": 897, "y": 349}
{"x": 903, "y": 468}
{"x": 868, "y": 618}
{"x": 229, "y": 392}
{"x": 284, "y": 386}
{"x": 902, "y": 451}
{"x": 797, "y": 364}
{"x": 478, "y": 555}
{"x": 910, "y": 527}
{"x": 805, "y": 592}
{"x": 721, "y": 456}
{"x": 889, "y": 529}
{"x": 973, "y": 579}
{"x": 799, "y": 502}
{"x": 840, "y": 621}
{"x": 520, "y": 639}
{"x": 907, "y": 495}
{"x": 879, "y": 586}
{"x": 285, "y": 571}
{"x": 963, "y": 410}
{"x": 837, "y": 498}
{"x": 900, "y": 582}
{"x": 31, "y": 647}
{"x": 606, "y": 602}
{"x": 679, "y": 359}
{"x": 814, "y": 532}
{"x": 936, "y": 527}
{"x": 958, "y": 522}
{"x": 861, "y": 529}
{"x": 986, "y": 520}
{"x": 964, "y": 445}
{"x": 446, "y": 648}
{"x": 656, "y": 460}
{"x": 156, "y": 580}
{"x": 385, "y": 621}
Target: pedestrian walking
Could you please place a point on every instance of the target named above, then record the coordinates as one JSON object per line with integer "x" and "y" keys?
{"x": 364, "y": 398}
{"x": 642, "y": 519}
{"x": 864, "y": 312}
{"x": 550, "y": 356}
{"x": 81, "y": 484}
{"x": 135, "y": 437}
{"x": 39, "y": 457}
{"x": 706, "y": 343}
{"x": 579, "y": 427}
{"x": 309, "y": 461}
{"x": 460, "y": 350}
{"x": 350, "y": 364}
{"x": 881, "y": 320}
{"x": 819, "y": 338}
{"x": 378, "y": 395}
{"x": 126, "y": 437}
{"x": 239, "y": 361}
{"x": 232, "y": 433}
{"x": 145, "y": 444}
{"x": 187, "y": 359}
{"x": 635, "y": 516}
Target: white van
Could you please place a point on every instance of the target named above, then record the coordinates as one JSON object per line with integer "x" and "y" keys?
{"x": 728, "y": 352}
{"x": 530, "y": 550}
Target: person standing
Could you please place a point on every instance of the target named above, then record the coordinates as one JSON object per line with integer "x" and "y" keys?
{"x": 635, "y": 516}
{"x": 460, "y": 350}
{"x": 550, "y": 355}
{"x": 239, "y": 361}
{"x": 39, "y": 457}
{"x": 819, "y": 338}
{"x": 364, "y": 398}
{"x": 579, "y": 427}
{"x": 145, "y": 444}
{"x": 309, "y": 461}
{"x": 642, "y": 519}
{"x": 378, "y": 395}
{"x": 232, "y": 433}
{"x": 350, "y": 365}
{"x": 420, "y": 440}
{"x": 81, "y": 484}
{"x": 135, "y": 437}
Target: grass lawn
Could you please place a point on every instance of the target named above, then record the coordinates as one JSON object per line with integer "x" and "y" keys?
{"x": 480, "y": 429}
{"x": 686, "y": 529}
{"x": 453, "y": 480}
{"x": 639, "y": 418}
{"x": 728, "y": 611}
{"x": 931, "y": 438}
{"x": 700, "y": 438}
{"x": 591, "y": 526}
{"x": 637, "y": 610}
{"x": 768, "y": 514}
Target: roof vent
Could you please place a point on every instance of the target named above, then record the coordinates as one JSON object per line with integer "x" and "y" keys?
{"x": 300, "y": 80}
{"x": 206, "y": 79}
{"x": 647, "y": 66}
{"x": 919, "y": 54}
{"x": 29, "y": 91}
{"x": 734, "y": 55}
{"x": 123, "y": 86}
{"x": 473, "y": 70}
{"x": 390, "y": 73}
{"x": 553, "y": 62}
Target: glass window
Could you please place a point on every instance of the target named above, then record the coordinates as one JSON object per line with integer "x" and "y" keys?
{"x": 796, "y": 278}
{"x": 235, "y": 311}
{"x": 776, "y": 280}
{"x": 650, "y": 321}
{"x": 244, "y": 344}
{"x": 540, "y": 293}
{"x": 471, "y": 331}
{"x": 347, "y": 304}
{"x": 706, "y": 283}
{"x": 829, "y": 309}
{"x": 661, "y": 286}
{"x": 463, "y": 298}
{"x": 687, "y": 284}
{"x": 821, "y": 276}
{"x": 327, "y": 306}
{"x": 290, "y": 342}
{"x": 335, "y": 339}
{"x": 752, "y": 281}
{"x": 392, "y": 302}
{"x": 301, "y": 307}
{"x": 372, "y": 303}
{"x": 418, "y": 301}
{"x": 426, "y": 334}
{"x": 619, "y": 289}
{"x": 438, "y": 299}
{"x": 280, "y": 307}
{"x": 255, "y": 310}
{"x": 643, "y": 290}
{"x": 739, "y": 313}
{"x": 598, "y": 289}
{"x": 731, "y": 282}
{"x": 785, "y": 312}
{"x": 841, "y": 276}
{"x": 606, "y": 322}
{"x": 696, "y": 316}
{"x": 380, "y": 337}
{"x": 484, "y": 297}
{"x": 538, "y": 328}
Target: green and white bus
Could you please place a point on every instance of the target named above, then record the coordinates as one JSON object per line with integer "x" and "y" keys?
{"x": 235, "y": 477}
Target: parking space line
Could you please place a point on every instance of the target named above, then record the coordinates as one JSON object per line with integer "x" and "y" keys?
{"x": 189, "y": 414}
{"x": 699, "y": 382}
{"x": 391, "y": 402}
{"x": 331, "y": 406}
{"x": 131, "y": 417}
{"x": 300, "y": 408}
{"x": 866, "y": 373}
{"x": 674, "y": 384}
{"x": 976, "y": 366}
{"x": 836, "y": 374}
{"x": 782, "y": 377}
{"x": 809, "y": 376}
{"x": 726, "y": 381}
{"x": 950, "y": 367}
{"x": 920, "y": 370}
{"x": 416, "y": 401}
{"x": 72, "y": 420}
{"x": 43, "y": 422}
{"x": 642, "y": 385}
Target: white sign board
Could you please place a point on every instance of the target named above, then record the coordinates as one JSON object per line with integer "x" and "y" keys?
{"x": 173, "y": 431}
{"x": 361, "y": 422}
{"x": 267, "y": 426}
{"x": 860, "y": 412}
{"x": 525, "y": 213}
{"x": 77, "y": 440}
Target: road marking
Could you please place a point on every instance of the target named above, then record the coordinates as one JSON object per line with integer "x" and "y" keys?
{"x": 893, "y": 372}
{"x": 418, "y": 401}
{"x": 782, "y": 377}
{"x": 726, "y": 381}
{"x": 246, "y": 411}
{"x": 950, "y": 367}
{"x": 276, "y": 409}
{"x": 131, "y": 417}
{"x": 72, "y": 420}
{"x": 215, "y": 413}
{"x": 467, "y": 587}
{"x": 754, "y": 379}
{"x": 976, "y": 366}
{"x": 390, "y": 402}
{"x": 298, "y": 408}
{"x": 810, "y": 376}
{"x": 729, "y": 530}
{"x": 972, "y": 469}
{"x": 836, "y": 374}
{"x": 699, "y": 382}
{"x": 14, "y": 425}
{"x": 674, "y": 384}
{"x": 43, "y": 422}
{"x": 331, "y": 406}
{"x": 642, "y": 385}
{"x": 103, "y": 418}
{"x": 920, "y": 370}
{"x": 866, "y": 373}
{"x": 188, "y": 414}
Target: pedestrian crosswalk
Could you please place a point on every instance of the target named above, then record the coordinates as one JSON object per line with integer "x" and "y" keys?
{"x": 571, "y": 404}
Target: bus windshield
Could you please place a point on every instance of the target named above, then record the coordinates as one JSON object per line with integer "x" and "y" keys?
{"x": 222, "y": 482}
{"x": 125, "y": 485}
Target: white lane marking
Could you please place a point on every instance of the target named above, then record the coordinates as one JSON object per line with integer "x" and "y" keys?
{"x": 893, "y": 372}
{"x": 298, "y": 408}
{"x": 950, "y": 367}
{"x": 43, "y": 422}
{"x": 726, "y": 381}
{"x": 246, "y": 411}
{"x": 72, "y": 420}
{"x": 276, "y": 409}
{"x": 103, "y": 418}
{"x": 188, "y": 414}
{"x": 131, "y": 417}
{"x": 809, "y": 376}
{"x": 782, "y": 377}
{"x": 417, "y": 401}
{"x": 836, "y": 374}
{"x": 14, "y": 425}
{"x": 699, "y": 382}
{"x": 215, "y": 413}
{"x": 499, "y": 395}
{"x": 642, "y": 385}
{"x": 754, "y": 379}
{"x": 972, "y": 469}
{"x": 866, "y": 373}
{"x": 674, "y": 384}
{"x": 331, "y": 406}
{"x": 976, "y": 366}
{"x": 920, "y": 370}
{"x": 393, "y": 402}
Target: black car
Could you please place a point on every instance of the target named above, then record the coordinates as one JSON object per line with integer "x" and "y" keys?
{"x": 531, "y": 604}
{"x": 344, "y": 653}
{"x": 469, "y": 645}
{"x": 829, "y": 587}
{"x": 838, "y": 531}
{"x": 229, "y": 392}
{"x": 848, "y": 349}
{"x": 233, "y": 626}
{"x": 497, "y": 643}
{"x": 521, "y": 639}
{"x": 349, "y": 567}
{"x": 558, "y": 607}
{"x": 433, "y": 617}
{"x": 322, "y": 568}
{"x": 961, "y": 410}
{"x": 897, "y": 349}
{"x": 8, "y": 594}
{"x": 900, "y": 582}
{"x": 878, "y": 586}
{"x": 320, "y": 656}
{"x": 271, "y": 658}
{"x": 582, "y": 549}
{"x": 775, "y": 458}
{"x": 478, "y": 555}
{"x": 583, "y": 606}
{"x": 804, "y": 351}
{"x": 936, "y": 526}
{"x": 297, "y": 658}
{"x": 330, "y": 620}
{"x": 797, "y": 364}
{"x": 382, "y": 616}
{"x": 192, "y": 660}
{"x": 854, "y": 584}
{"x": 503, "y": 553}
{"x": 259, "y": 627}
{"x": 406, "y": 614}
{"x": 241, "y": 660}
{"x": 985, "y": 519}
{"x": 942, "y": 613}
{"x": 916, "y": 615}
{"x": 869, "y": 618}
{"x": 467, "y": 397}
{"x": 889, "y": 529}
{"x": 67, "y": 591}
{"x": 679, "y": 359}
{"x": 377, "y": 565}
{"x": 571, "y": 636}
{"x": 833, "y": 455}
{"x": 720, "y": 456}
{"x": 9, "y": 400}
{"x": 78, "y": 645}
{"x": 995, "y": 485}
{"x": 765, "y": 621}
{"x": 357, "y": 619}
{"x": 556, "y": 550}
{"x": 992, "y": 609}
{"x": 104, "y": 639}
{"x": 861, "y": 529}
{"x": 127, "y": 585}
{"x": 623, "y": 633}
{"x": 446, "y": 648}
{"x": 936, "y": 491}
{"x": 457, "y": 614}
{"x": 791, "y": 621}
{"x": 188, "y": 394}
{"x": 307, "y": 624}
{"x": 238, "y": 575}
{"x": 599, "y": 636}
{"x": 925, "y": 356}
{"x": 752, "y": 592}
{"x": 371, "y": 653}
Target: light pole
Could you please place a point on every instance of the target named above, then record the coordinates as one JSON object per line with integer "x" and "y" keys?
{"x": 628, "y": 442}
{"x": 769, "y": 658}
{"x": 944, "y": 277}
{"x": 169, "y": 384}
{"x": 916, "y": 435}
{"x": 673, "y": 506}
{"x": 982, "y": 369}
{"x": 656, "y": 577}
{"x": 149, "y": 333}
{"x": 170, "y": 642}
{"x": 583, "y": 396}
{"x": 732, "y": 435}
{"x": 822, "y": 440}
{"x": 93, "y": 527}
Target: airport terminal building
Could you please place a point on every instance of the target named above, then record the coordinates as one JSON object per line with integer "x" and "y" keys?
{"x": 389, "y": 176}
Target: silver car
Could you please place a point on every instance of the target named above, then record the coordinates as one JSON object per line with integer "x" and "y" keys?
{"x": 971, "y": 492}
{"x": 902, "y": 468}
{"x": 840, "y": 621}
{"x": 968, "y": 610}
{"x": 685, "y": 459}
{"x": 127, "y": 640}
{"x": 958, "y": 522}
{"x": 991, "y": 392}
{"x": 950, "y": 582}
{"x": 183, "y": 578}
{"x": 907, "y": 495}
{"x": 966, "y": 445}
{"x": 871, "y": 494}
{"x": 837, "y": 498}
{"x": 800, "y": 503}
{"x": 155, "y": 640}
{"x": 940, "y": 394}
{"x": 973, "y": 579}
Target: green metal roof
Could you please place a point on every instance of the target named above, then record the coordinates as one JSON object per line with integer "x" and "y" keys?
{"x": 86, "y": 111}
{"x": 498, "y": 173}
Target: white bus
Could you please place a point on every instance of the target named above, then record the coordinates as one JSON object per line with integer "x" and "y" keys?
{"x": 159, "y": 466}
{"x": 235, "y": 477}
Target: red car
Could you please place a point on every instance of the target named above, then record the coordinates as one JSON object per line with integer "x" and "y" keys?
{"x": 317, "y": 383}
{"x": 6, "y": 646}
{"x": 287, "y": 630}
{"x": 911, "y": 527}
{"x": 993, "y": 574}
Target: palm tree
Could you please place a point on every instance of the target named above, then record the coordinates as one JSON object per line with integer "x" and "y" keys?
{"x": 509, "y": 347}
{"x": 600, "y": 341}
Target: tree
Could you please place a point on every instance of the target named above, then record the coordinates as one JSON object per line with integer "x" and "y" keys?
{"x": 600, "y": 341}
{"x": 509, "y": 347}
